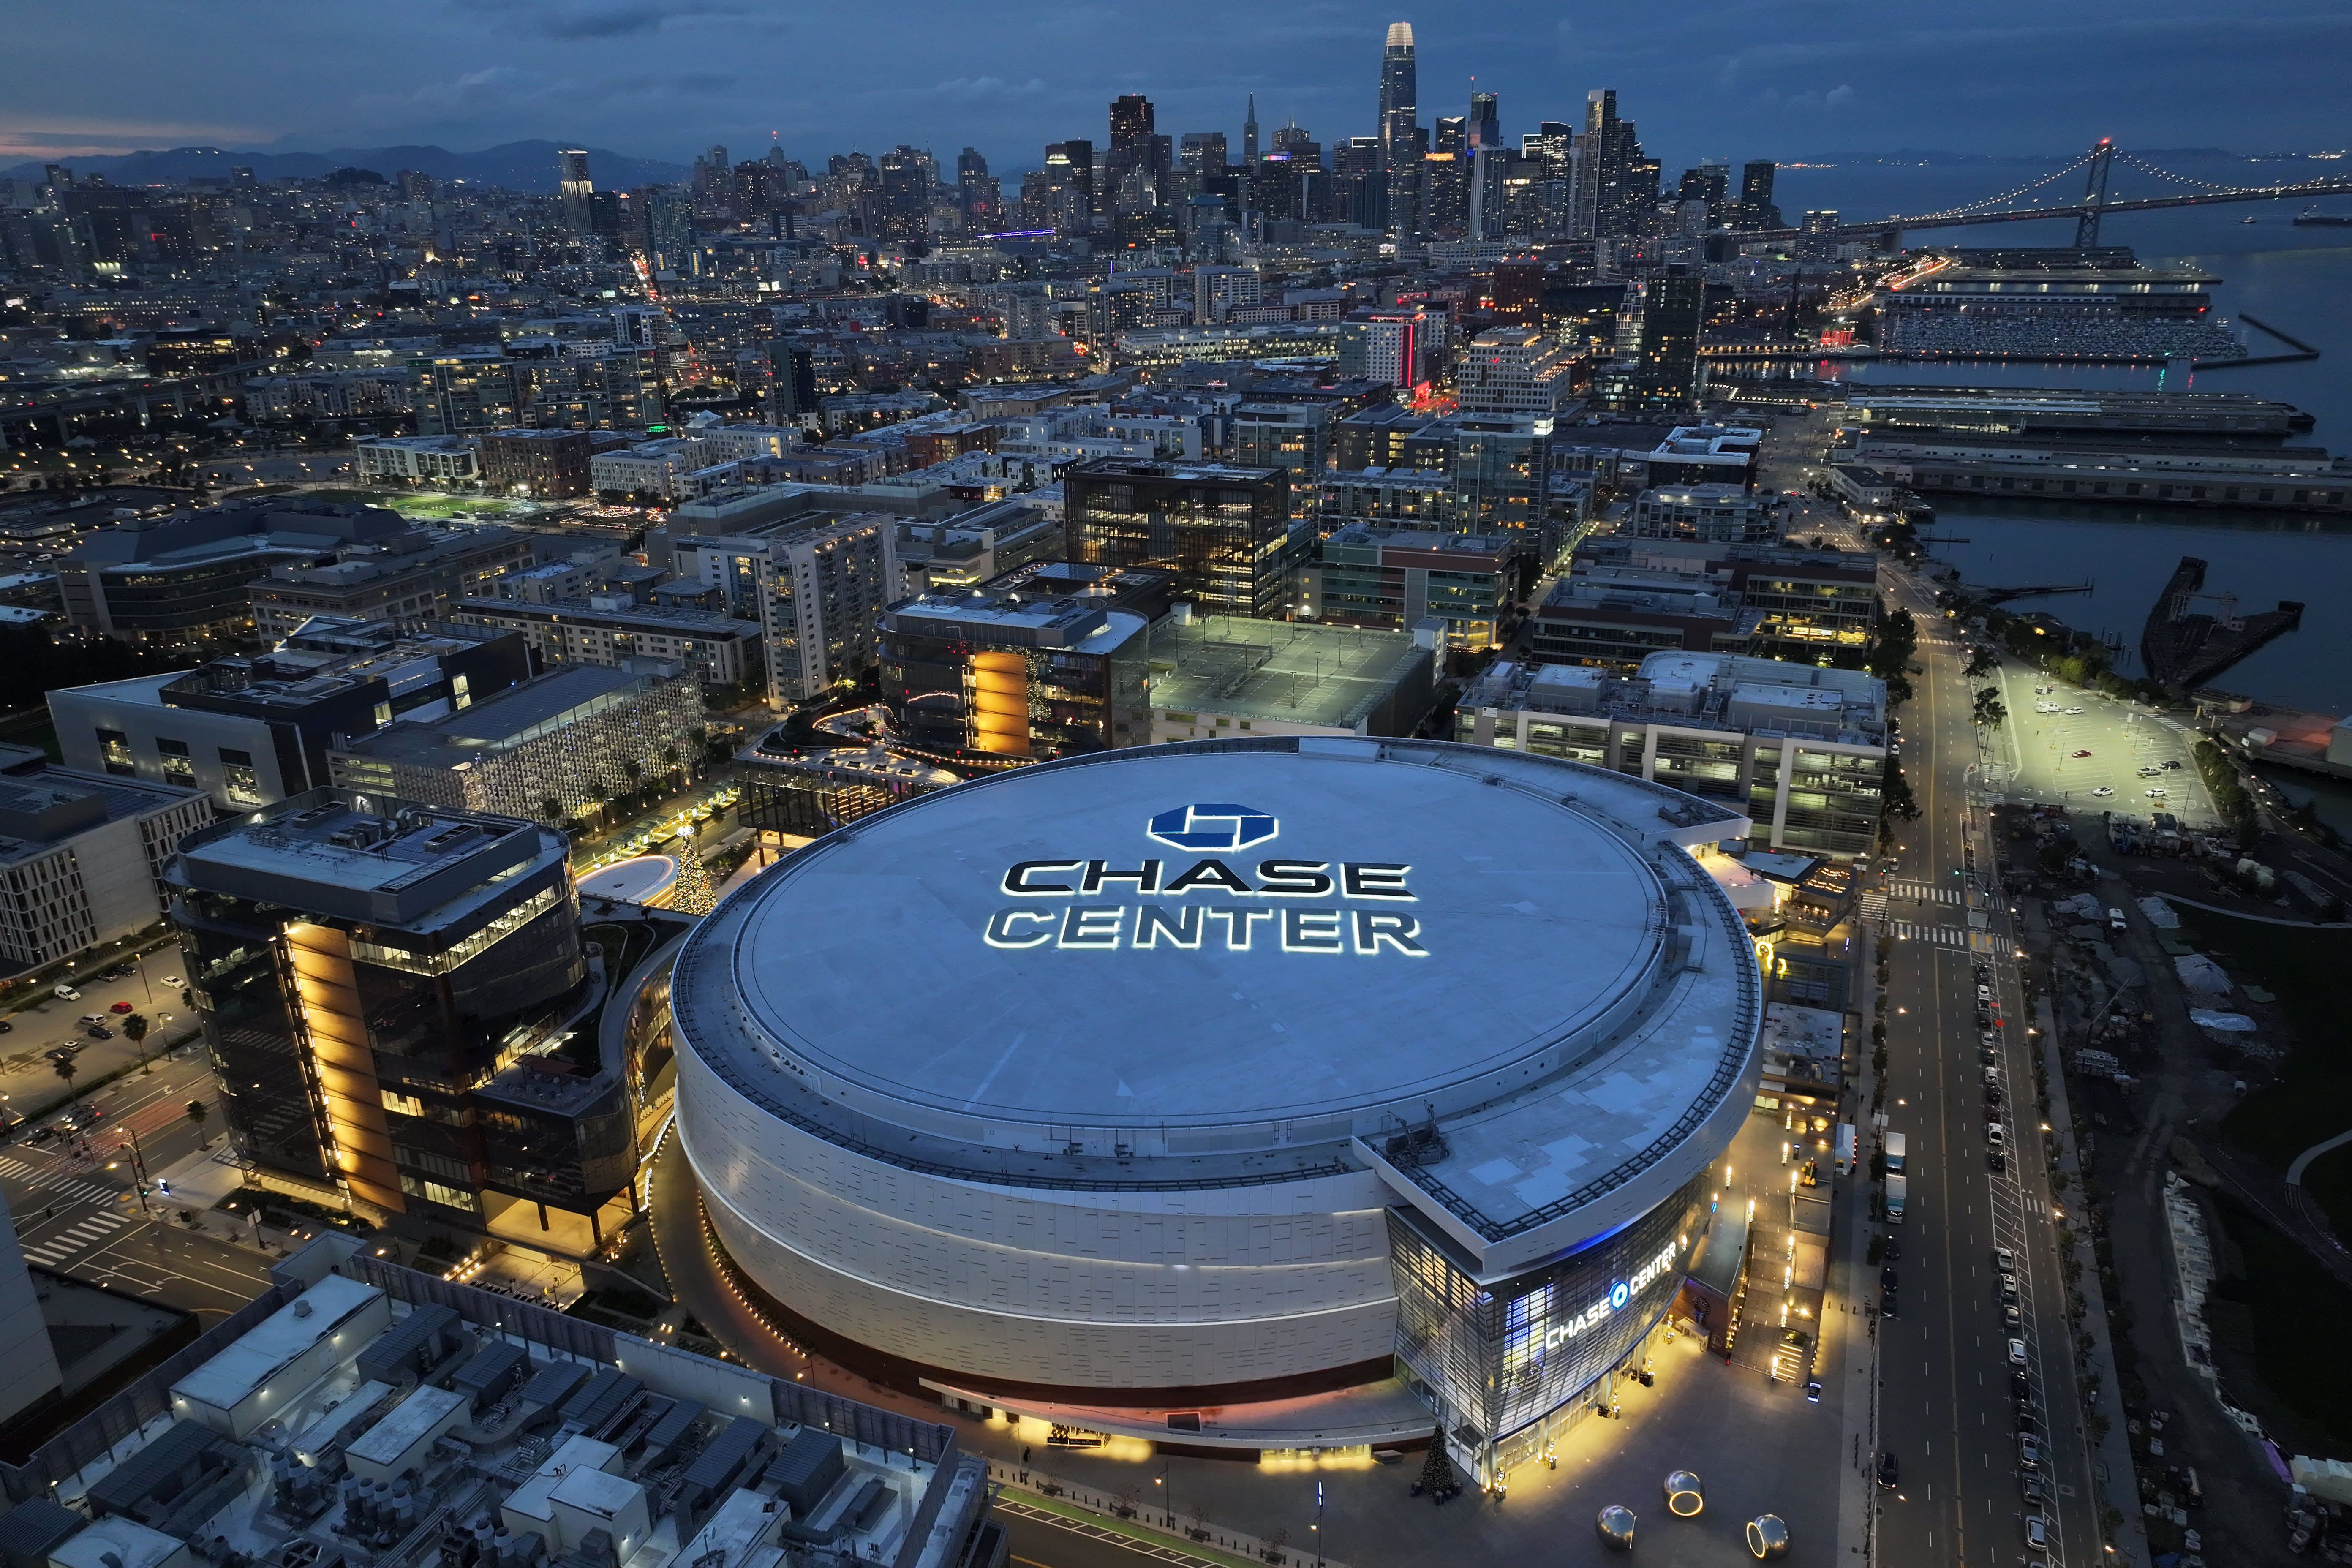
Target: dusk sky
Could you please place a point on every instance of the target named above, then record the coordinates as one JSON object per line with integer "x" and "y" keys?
{"x": 1738, "y": 78}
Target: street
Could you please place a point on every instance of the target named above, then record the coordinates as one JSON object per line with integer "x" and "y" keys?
{"x": 29, "y": 1084}
{"x": 77, "y": 1210}
{"x": 1947, "y": 1410}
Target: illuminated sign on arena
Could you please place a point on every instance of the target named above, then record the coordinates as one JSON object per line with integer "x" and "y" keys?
{"x": 1279, "y": 913}
{"x": 1620, "y": 1294}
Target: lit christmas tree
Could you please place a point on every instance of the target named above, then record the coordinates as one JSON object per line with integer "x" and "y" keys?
{"x": 692, "y": 893}
{"x": 1437, "y": 1470}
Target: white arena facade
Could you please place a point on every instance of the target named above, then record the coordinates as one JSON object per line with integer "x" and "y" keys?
{"x": 1228, "y": 1073}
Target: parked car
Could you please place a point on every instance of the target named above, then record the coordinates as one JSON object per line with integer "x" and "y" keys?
{"x": 2171, "y": 764}
{"x": 99, "y": 1032}
{"x": 2029, "y": 1453}
{"x": 2102, "y": 792}
{"x": 2021, "y": 1386}
{"x": 119, "y": 1007}
{"x": 1887, "y": 1277}
{"x": 91, "y": 1018}
{"x": 1996, "y": 1161}
{"x": 1888, "y": 1307}
{"x": 2037, "y": 1533}
{"x": 65, "y": 993}
{"x": 2004, "y": 1260}
{"x": 2017, "y": 1352}
{"x": 1890, "y": 1470}
{"x": 2007, "y": 1288}
{"x": 2010, "y": 1321}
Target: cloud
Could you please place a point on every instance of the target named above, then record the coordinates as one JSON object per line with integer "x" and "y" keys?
{"x": 568, "y": 23}
{"x": 980, "y": 89}
{"x": 1839, "y": 97}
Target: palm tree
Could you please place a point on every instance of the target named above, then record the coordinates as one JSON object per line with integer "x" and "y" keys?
{"x": 66, "y": 1071}
{"x": 196, "y": 1113}
{"x": 134, "y": 1029}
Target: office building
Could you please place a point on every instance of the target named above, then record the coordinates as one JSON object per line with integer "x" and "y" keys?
{"x": 252, "y": 729}
{"x": 973, "y": 546}
{"x": 548, "y": 748}
{"x": 1616, "y": 188}
{"x": 386, "y": 989}
{"x": 1712, "y": 514}
{"x": 1048, "y": 660}
{"x": 1574, "y": 1197}
{"x": 543, "y": 464}
{"x": 1399, "y": 123}
{"x": 1514, "y": 369}
{"x": 1485, "y": 123}
{"x": 1223, "y": 533}
{"x": 610, "y": 628}
{"x": 185, "y": 578}
{"x": 81, "y": 854}
{"x": 1387, "y": 578}
{"x": 1625, "y": 598}
{"x": 577, "y": 191}
{"x": 1800, "y": 751}
{"x": 408, "y": 580}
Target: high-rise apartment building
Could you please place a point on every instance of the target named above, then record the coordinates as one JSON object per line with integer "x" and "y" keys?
{"x": 1659, "y": 333}
{"x": 1400, "y": 128}
{"x": 976, "y": 191}
{"x": 1756, "y": 208}
{"x": 669, "y": 230}
{"x": 386, "y": 989}
{"x": 820, "y": 588}
{"x": 1224, "y": 532}
{"x": 576, "y": 189}
{"x": 1396, "y": 346}
{"x": 1445, "y": 179}
{"x": 1612, "y": 197}
{"x": 907, "y": 174}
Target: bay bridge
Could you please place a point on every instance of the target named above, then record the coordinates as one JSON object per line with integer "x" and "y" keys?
{"x": 2096, "y": 164}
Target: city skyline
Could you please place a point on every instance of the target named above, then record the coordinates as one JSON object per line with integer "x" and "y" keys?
{"x": 661, "y": 83}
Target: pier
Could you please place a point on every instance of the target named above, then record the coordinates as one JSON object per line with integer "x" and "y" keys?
{"x": 2182, "y": 649}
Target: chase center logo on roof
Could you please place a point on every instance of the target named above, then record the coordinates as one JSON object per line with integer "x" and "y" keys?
{"x": 1212, "y": 827}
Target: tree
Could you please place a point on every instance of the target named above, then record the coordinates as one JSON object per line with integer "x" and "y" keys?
{"x": 66, "y": 1071}
{"x": 551, "y": 807}
{"x": 1990, "y": 708}
{"x": 1983, "y": 661}
{"x": 134, "y": 1029}
{"x": 1895, "y": 798}
{"x": 1437, "y": 1470}
{"x": 196, "y": 1114}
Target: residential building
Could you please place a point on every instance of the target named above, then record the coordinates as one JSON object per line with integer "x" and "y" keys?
{"x": 1215, "y": 676}
{"x": 1800, "y": 749}
{"x": 81, "y": 854}
{"x": 406, "y": 580}
{"x": 419, "y": 460}
{"x": 1044, "y": 661}
{"x": 383, "y": 983}
{"x": 1514, "y": 369}
{"x": 1711, "y": 514}
{"x": 185, "y": 577}
{"x": 1400, "y": 346}
{"x": 610, "y": 628}
{"x": 546, "y": 464}
{"x": 1400, "y": 579}
{"x": 252, "y": 729}
{"x": 457, "y": 392}
{"x": 648, "y": 470}
{"x": 547, "y": 748}
{"x": 819, "y": 588}
{"x": 1217, "y": 290}
{"x": 1223, "y": 533}
{"x": 1657, "y": 343}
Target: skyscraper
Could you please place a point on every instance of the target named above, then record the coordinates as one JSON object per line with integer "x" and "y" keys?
{"x": 1756, "y": 208}
{"x": 1401, "y": 144}
{"x": 1446, "y": 178}
{"x": 1130, "y": 120}
{"x": 907, "y": 175}
{"x": 1203, "y": 152}
{"x": 573, "y": 181}
{"x": 1611, "y": 198}
{"x": 976, "y": 189}
{"x": 1249, "y": 134}
{"x": 1485, "y": 123}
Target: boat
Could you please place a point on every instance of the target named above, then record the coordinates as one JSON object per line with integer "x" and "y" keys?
{"x": 2245, "y": 220}
{"x": 2312, "y": 218}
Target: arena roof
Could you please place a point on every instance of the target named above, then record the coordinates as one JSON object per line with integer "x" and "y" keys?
{"x": 1288, "y": 946}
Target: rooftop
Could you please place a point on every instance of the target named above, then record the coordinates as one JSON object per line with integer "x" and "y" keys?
{"x": 536, "y": 708}
{"x": 1297, "y": 671}
{"x": 1542, "y": 899}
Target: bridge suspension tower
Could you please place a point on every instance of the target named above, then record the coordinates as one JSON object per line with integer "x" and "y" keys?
{"x": 2095, "y": 195}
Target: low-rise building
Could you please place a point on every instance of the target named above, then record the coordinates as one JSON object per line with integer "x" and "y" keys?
{"x": 545, "y": 463}
{"x": 252, "y": 728}
{"x": 408, "y": 579}
{"x": 1800, "y": 747}
{"x": 971, "y": 547}
{"x": 81, "y": 854}
{"x": 1395, "y": 579}
{"x": 1219, "y": 675}
{"x": 609, "y": 628}
{"x": 1514, "y": 369}
{"x": 1787, "y": 601}
{"x": 650, "y": 468}
{"x": 418, "y": 459}
{"x": 1709, "y": 514}
{"x": 546, "y": 749}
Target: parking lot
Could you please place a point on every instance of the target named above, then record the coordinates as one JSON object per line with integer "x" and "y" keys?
{"x": 2089, "y": 753}
{"x": 42, "y": 1027}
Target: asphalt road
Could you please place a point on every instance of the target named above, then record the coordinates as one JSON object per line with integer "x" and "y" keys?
{"x": 1947, "y": 1408}
{"x": 77, "y": 1210}
{"x": 28, "y": 1081}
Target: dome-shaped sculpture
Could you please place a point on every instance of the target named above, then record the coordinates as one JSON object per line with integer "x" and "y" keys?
{"x": 1685, "y": 1495}
{"x": 1617, "y": 1528}
{"x": 1767, "y": 1537}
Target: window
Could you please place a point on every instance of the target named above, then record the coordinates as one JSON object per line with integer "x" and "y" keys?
{"x": 179, "y": 768}
{"x": 240, "y": 780}
{"x": 114, "y": 747}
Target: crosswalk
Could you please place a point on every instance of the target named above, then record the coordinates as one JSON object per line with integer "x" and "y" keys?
{"x": 95, "y": 1231}
{"x": 1924, "y": 892}
{"x": 1873, "y": 905}
{"x": 1943, "y": 936}
{"x": 69, "y": 1188}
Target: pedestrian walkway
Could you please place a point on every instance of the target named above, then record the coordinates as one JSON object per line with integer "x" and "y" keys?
{"x": 1924, "y": 892}
{"x": 49, "y": 1178}
{"x": 1873, "y": 908}
{"x": 94, "y": 1231}
{"x": 1943, "y": 936}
